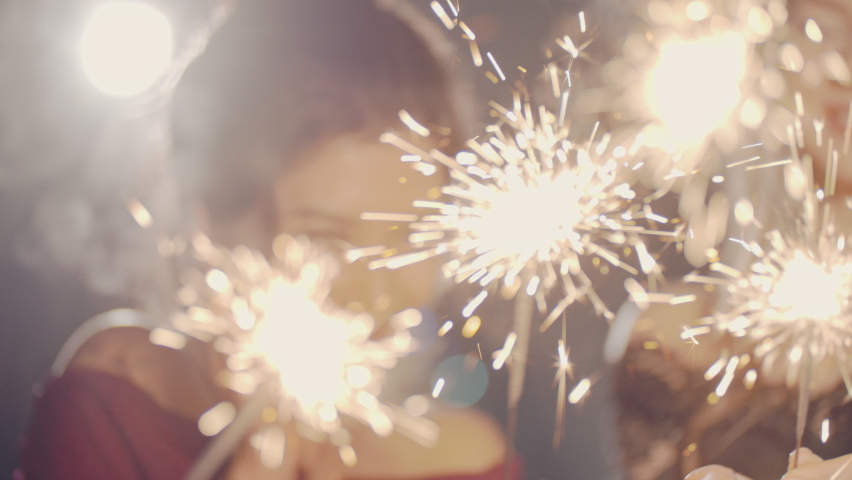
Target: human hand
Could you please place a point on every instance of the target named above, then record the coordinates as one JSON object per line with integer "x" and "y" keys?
{"x": 715, "y": 472}
{"x": 271, "y": 454}
{"x": 812, "y": 467}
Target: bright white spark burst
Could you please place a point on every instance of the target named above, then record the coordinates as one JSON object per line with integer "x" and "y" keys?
{"x": 273, "y": 320}
{"x": 794, "y": 297}
{"x": 795, "y": 300}
{"x": 525, "y": 205}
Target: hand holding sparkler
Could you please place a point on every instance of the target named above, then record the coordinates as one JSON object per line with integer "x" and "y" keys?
{"x": 810, "y": 467}
{"x": 297, "y": 355}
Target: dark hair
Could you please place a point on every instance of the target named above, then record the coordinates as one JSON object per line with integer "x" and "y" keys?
{"x": 281, "y": 76}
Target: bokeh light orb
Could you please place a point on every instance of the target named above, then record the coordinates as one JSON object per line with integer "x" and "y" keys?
{"x": 696, "y": 85}
{"x": 464, "y": 380}
{"x": 126, "y": 47}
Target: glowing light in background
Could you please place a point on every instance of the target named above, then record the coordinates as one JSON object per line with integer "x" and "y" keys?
{"x": 695, "y": 85}
{"x": 126, "y": 47}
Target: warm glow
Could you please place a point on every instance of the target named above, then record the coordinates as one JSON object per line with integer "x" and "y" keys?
{"x": 807, "y": 290}
{"x": 126, "y": 47}
{"x": 526, "y": 219}
{"x": 307, "y": 347}
{"x": 696, "y": 85}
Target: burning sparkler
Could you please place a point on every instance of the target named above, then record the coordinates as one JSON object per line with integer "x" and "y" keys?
{"x": 795, "y": 300}
{"x": 692, "y": 75}
{"x": 275, "y": 323}
{"x": 528, "y": 205}
{"x": 525, "y": 205}
{"x": 526, "y": 211}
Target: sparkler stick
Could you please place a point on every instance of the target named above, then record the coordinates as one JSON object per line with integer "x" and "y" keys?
{"x": 526, "y": 202}
{"x": 564, "y": 369}
{"x": 805, "y": 373}
{"x": 525, "y": 205}
{"x": 794, "y": 300}
{"x": 524, "y": 306}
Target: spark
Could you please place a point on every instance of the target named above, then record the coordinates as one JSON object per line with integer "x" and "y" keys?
{"x": 546, "y": 202}
{"x": 689, "y": 335}
{"x": 777, "y": 163}
{"x": 579, "y": 391}
{"x": 503, "y": 354}
{"x": 140, "y": 213}
{"x": 743, "y": 162}
{"x": 794, "y": 299}
{"x": 389, "y": 217}
{"x": 467, "y": 31}
{"x": 453, "y": 8}
{"x": 273, "y": 320}
{"x": 442, "y": 14}
{"x": 412, "y": 124}
{"x": 563, "y": 364}
{"x": 439, "y": 385}
{"x": 475, "y": 53}
{"x": 496, "y": 66}
{"x": 217, "y": 418}
{"x": 794, "y": 302}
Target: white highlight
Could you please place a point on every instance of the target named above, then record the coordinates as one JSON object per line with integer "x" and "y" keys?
{"x": 126, "y": 47}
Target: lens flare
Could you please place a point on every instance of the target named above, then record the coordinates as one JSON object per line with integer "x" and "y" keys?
{"x": 695, "y": 85}
{"x": 126, "y": 47}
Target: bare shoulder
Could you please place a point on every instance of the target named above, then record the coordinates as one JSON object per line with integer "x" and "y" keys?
{"x": 178, "y": 381}
{"x": 113, "y": 351}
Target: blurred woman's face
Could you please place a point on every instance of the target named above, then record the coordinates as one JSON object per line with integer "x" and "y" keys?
{"x": 323, "y": 195}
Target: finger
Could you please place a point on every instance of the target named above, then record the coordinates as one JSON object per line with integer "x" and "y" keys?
{"x": 715, "y": 472}
{"x": 839, "y": 468}
{"x": 806, "y": 457}
{"x": 269, "y": 454}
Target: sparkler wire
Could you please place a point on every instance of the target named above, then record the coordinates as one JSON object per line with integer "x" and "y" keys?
{"x": 522, "y": 326}
{"x": 805, "y": 373}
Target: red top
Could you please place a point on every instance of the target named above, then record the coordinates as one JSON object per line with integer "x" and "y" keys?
{"x": 89, "y": 425}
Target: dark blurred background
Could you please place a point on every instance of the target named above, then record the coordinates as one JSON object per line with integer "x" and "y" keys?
{"x": 71, "y": 158}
